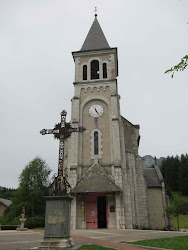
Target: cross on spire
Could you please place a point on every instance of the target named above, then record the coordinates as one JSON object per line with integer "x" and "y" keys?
{"x": 95, "y": 11}
{"x": 61, "y": 131}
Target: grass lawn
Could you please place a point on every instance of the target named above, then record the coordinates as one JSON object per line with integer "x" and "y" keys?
{"x": 183, "y": 221}
{"x": 175, "y": 243}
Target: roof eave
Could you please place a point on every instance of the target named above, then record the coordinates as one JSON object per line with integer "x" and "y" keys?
{"x": 85, "y": 52}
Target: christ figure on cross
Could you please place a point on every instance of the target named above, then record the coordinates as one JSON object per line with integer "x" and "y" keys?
{"x": 61, "y": 131}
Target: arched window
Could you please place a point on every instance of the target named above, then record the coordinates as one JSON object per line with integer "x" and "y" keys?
{"x": 94, "y": 69}
{"x": 96, "y": 143}
{"x": 85, "y": 72}
{"x": 104, "y": 70}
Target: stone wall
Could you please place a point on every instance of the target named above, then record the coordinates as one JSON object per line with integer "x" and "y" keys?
{"x": 156, "y": 209}
{"x": 143, "y": 215}
{"x": 80, "y": 214}
{"x": 131, "y": 134}
{"x": 111, "y": 215}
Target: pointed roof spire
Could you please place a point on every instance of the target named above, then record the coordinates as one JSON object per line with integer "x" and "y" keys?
{"x": 95, "y": 39}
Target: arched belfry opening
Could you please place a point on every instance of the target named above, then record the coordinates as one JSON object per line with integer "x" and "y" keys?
{"x": 94, "y": 69}
{"x": 104, "y": 70}
{"x": 85, "y": 72}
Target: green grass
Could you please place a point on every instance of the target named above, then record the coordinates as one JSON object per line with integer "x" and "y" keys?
{"x": 183, "y": 221}
{"x": 175, "y": 243}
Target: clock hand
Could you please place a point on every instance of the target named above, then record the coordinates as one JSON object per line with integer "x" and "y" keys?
{"x": 96, "y": 111}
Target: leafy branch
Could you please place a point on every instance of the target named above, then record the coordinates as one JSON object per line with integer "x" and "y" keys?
{"x": 179, "y": 67}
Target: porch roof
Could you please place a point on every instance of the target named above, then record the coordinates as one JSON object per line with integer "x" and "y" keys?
{"x": 96, "y": 180}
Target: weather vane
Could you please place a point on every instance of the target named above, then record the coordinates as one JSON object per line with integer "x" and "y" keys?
{"x": 95, "y": 11}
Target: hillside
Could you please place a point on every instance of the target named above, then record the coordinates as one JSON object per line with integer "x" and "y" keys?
{"x": 149, "y": 161}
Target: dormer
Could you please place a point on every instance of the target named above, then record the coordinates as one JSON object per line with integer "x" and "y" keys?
{"x": 96, "y": 61}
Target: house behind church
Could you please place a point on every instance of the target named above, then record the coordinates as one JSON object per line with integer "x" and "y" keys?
{"x": 4, "y": 203}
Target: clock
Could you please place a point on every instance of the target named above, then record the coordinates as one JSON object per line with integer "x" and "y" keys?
{"x": 96, "y": 110}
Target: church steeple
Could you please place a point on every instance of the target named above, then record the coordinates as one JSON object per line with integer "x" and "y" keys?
{"x": 96, "y": 61}
{"x": 95, "y": 39}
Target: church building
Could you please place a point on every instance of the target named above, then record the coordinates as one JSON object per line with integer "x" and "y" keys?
{"x": 109, "y": 186}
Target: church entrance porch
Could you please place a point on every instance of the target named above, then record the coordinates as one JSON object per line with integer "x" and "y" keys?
{"x": 96, "y": 210}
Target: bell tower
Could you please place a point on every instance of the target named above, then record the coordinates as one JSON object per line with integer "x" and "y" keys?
{"x": 95, "y": 104}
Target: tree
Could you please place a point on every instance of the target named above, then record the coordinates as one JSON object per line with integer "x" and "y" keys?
{"x": 178, "y": 205}
{"x": 170, "y": 171}
{"x": 7, "y": 193}
{"x": 175, "y": 173}
{"x": 33, "y": 186}
{"x": 183, "y": 175}
{"x": 179, "y": 67}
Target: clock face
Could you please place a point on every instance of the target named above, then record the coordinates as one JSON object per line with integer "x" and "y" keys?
{"x": 96, "y": 110}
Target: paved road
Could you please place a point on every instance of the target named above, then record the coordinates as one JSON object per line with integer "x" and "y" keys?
{"x": 107, "y": 237}
{"x": 12, "y": 239}
{"x": 125, "y": 235}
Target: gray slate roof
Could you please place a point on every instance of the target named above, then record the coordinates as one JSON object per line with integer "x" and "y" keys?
{"x": 95, "y": 39}
{"x": 96, "y": 180}
{"x": 152, "y": 177}
{"x": 5, "y": 202}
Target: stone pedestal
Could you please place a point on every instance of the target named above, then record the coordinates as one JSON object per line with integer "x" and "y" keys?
{"x": 57, "y": 222}
{"x": 22, "y": 228}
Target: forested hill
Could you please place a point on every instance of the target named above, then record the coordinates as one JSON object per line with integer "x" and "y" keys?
{"x": 175, "y": 173}
{"x": 7, "y": 193}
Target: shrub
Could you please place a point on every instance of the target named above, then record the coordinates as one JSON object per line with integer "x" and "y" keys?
{"x": 33, "y": 222}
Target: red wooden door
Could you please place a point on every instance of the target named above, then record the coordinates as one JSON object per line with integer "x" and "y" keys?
{"x": 91, "y": 212}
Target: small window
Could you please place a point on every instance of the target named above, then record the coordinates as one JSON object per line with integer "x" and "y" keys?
{"x": 96, "y": 143}
{"x": 104, "y": 70}
{"x": 94, "y": 69}
{"x": 85, "y": 72}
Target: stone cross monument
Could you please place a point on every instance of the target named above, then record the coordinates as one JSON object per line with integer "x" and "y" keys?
{"x": 61, "y": 131}
{"x": 58, "y": 206}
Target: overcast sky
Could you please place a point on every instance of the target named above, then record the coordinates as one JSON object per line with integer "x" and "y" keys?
{"x": 37, "y": 73}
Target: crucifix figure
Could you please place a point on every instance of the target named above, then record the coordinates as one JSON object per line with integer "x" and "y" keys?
{"x": 61, "y": 131}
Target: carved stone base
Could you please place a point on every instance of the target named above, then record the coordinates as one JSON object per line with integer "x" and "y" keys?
{"x": 57, "y": 243}
{"x": 57, "y": 222}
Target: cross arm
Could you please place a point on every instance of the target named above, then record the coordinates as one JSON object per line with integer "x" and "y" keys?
{"x": 49, "y": 131}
